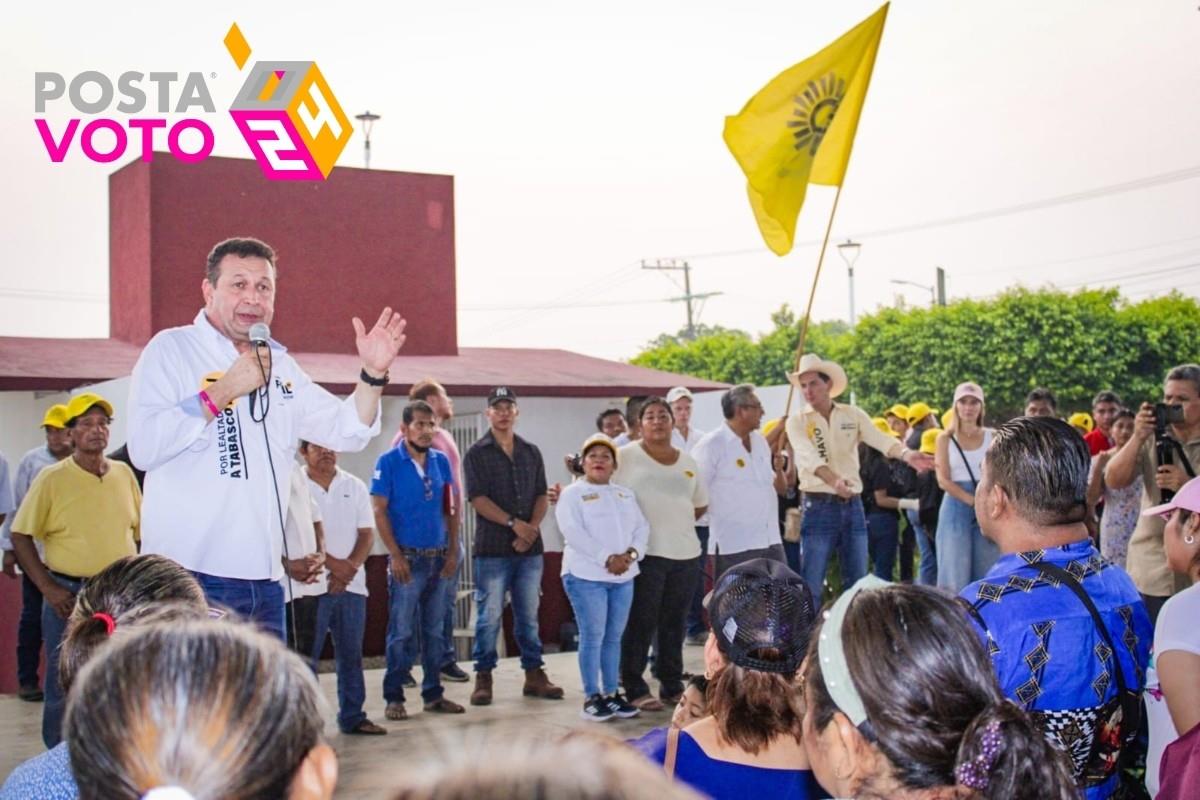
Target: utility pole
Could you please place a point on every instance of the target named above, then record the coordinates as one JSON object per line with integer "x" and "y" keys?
{"x": 941, "y": 286}
{"x": 677, "y": 265}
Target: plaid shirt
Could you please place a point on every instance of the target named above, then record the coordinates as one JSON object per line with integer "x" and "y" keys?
{"x": 514, "y": 484}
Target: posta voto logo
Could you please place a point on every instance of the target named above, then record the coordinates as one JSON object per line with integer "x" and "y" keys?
{"x": 285, "y": 110}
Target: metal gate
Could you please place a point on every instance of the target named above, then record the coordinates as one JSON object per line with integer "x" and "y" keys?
{"x": 467, "y": 430}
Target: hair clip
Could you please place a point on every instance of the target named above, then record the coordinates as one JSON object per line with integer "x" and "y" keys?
{"x": 974, "y": 774}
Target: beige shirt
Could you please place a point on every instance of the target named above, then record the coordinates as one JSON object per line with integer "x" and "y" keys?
{"x": 834, "y": 444}
{"x": 668, "y": 496}
{"x": 1146, "y": 562}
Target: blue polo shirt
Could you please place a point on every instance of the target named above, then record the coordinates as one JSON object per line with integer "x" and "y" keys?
{"x": 415, "y": 501}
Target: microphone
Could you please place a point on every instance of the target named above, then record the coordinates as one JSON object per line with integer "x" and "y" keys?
{"x": 260, "y": 334}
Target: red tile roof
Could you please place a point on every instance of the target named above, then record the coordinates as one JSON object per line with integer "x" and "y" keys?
{"x": 42, "y": 364}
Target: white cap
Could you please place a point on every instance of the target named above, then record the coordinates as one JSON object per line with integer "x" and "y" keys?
{"x": 678, "y": 392}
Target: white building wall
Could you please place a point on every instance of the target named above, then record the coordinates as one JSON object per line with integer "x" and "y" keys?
{"x": 557, "y": 425}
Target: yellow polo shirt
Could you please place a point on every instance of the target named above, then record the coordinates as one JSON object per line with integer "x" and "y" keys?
{"x": 86, "y": 522}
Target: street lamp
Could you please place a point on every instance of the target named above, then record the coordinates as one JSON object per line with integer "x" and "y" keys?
{"x": 931, "y": 289}
{"x": 848, "y": 250}
{"x": 368, "y": 121}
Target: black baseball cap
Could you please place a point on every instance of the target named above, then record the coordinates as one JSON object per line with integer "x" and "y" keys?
{"x": 500, "y": 394}
{"x": 762, "y": 604}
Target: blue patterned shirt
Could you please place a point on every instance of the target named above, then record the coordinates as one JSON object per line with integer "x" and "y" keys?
{"x": 1048, "y": 654}
{"x": 44, "y": 777}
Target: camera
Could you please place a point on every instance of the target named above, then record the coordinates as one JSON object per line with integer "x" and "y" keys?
{"x": 1165, "y": 415}
{"x": 574, "y": 463}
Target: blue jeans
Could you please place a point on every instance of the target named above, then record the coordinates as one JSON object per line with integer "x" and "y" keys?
{"x": 495, "y": 575}
{"x": 53, "y": 627}
{"x": 413, "y": 649}
{"x": 963, "y": 555}
{"x": 425, "y": 594}
{"x": 257, "y": 601}
{"x": 29, "y": 634}
{"x": 695, "y": 617}
{"x": 883, "y": 536}
{"x": 927, "y": 567}
{"x": 601, "y": 611}
{"x": 791, "y": 551}
{"x": 828, "y": 525}
{"x": 345, "y": 615}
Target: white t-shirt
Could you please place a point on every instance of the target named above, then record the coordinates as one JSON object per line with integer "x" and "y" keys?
{"x": 958, "y": 468}
{"x": 597, "y": 521}
{"x": 209, "y": 502}
{"x": 1176, "y": 630}
{"x": 345, "y": 507}
{"x": 668, "y": 496}
{"x": 744, "y": 509}
{"x": 302, "y": 512}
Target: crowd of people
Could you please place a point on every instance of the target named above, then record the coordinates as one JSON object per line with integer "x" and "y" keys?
{"x": 1012, "y": 613}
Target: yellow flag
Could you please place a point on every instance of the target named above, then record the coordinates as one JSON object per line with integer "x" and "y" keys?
{"x": 800, "y": 127}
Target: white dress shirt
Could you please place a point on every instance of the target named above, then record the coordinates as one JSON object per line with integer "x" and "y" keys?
{"x": 302, "y": 512}
{"x": 598, "y": 521}
{"x": 209, "y": 502}
{"x": 743, "y": 509}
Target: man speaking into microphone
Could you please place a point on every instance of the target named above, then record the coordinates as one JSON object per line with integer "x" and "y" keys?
{"x": 201, "y": 396}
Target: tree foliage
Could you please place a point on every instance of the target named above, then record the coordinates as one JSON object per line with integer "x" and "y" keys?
{"x": 1073, "y": 343}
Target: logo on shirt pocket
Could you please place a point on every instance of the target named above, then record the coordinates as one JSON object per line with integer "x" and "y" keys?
{"x": 689, "y": 473}
{"x": 285, "y": 388}
{"x": 741, "y": 462}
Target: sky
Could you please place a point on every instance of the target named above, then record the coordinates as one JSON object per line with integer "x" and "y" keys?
{"x": 1010, "y": 143}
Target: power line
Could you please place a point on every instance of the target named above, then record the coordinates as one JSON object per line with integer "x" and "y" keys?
{"x": 978, "y": 216}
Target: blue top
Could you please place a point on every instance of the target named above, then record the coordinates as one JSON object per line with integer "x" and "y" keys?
{"x": 44, "y": 777}
{"x": 724, "y": 779}
{"x": 416, "y": 501}
{"x": 1049, "y": 655}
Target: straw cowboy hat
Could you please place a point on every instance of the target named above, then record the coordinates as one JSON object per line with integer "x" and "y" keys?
{"x": 811, "y": 362}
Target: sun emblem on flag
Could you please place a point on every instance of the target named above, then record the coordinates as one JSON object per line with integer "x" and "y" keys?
{"x": 814, "y": 111}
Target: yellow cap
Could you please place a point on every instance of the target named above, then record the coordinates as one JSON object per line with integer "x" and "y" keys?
{"x": 918, "y": 412}
{"x": 899, "y": 410}
{"x": 603, "y": 441}
{"x": 946, "y": 417}
{"x": 80, "y": 403}
{"x": 770, "y": 426}
{"x": 56, "y": 416}
{"x": 1082, "y": 419}
{"x": 883, "y": 426}
{"x": 929, "y": 441}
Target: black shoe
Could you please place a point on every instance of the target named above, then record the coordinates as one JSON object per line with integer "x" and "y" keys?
{"x": 596, "y": 709}
{"x": 453, "y": 673}
{"x": 408, "y": 682}
{"x": 621, "y": 707}
{"x": 31, "y": 694}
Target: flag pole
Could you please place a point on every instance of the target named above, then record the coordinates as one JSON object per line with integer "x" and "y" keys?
{"x": 811, "y": 296}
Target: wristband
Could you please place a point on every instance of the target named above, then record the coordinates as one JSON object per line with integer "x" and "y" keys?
{"x": 378, "y": 383}
{"x": 209, "y": 404}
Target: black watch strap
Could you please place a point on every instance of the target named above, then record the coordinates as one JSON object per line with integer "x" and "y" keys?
{"x": 369, "y": 381}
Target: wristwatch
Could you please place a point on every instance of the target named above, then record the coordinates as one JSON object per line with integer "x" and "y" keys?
{"x": 633, "y": 552}
{"x": 512, "y": 521}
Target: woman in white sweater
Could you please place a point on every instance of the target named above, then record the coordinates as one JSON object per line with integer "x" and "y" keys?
{"x": 605, "y": 535}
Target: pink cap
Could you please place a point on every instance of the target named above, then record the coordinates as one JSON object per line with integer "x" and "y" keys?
{"x": 1187, "y": 497}
{"x": 968, "y": 389}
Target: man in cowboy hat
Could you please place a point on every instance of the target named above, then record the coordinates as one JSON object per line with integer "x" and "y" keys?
{"x": 825, "y": 436}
